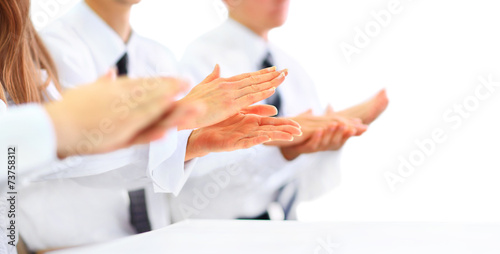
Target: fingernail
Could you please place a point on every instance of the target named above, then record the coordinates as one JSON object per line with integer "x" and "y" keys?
{"x": 271, "y": 69}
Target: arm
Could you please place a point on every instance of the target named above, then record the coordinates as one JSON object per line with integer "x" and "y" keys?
{"x": 66, "y": 124}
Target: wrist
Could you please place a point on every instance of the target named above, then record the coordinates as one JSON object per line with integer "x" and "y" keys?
{"x": 194, "y": 147}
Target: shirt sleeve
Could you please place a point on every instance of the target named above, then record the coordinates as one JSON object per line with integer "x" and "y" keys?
{"x": 171, "y": 174}
{"x": 29, "y": 130}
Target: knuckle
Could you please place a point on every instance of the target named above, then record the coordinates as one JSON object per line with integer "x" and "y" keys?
{"x": 223, "y": 85}
{"x": 251, "y": 97}
{"x": 254, "y": 78}
{"x": 255, "y": 88}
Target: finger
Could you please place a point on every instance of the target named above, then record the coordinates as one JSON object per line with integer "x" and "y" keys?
{"x": 278, "y": 121}
{"x": 273, "y": 135}
{"x": 247, "y": 75}
{"x": 252, "y": 141}
{"x": 314, "y": 142}
{"x": 344, "y": 139}
{"x": 360, "y": 129}
{"x": 258, "y": 79}
{"x": 212, "y": 76}
{"x": 169, "y": 120}
{"x": 261, "y": 110}
{"x": 160, "y": 88}
{"x": 309, "y": 112}
{"x": 284, "y": 128}
{"x": 279, "y": 136}
{"x": 149, "y": 136}
{"x": 182, "y": 114}
{"x": 336, "y": 139}
{"x": 247, "y": 100}
{"x": 327, "y": 136}
{"x": 329, "y": 109}
{"x": 258, "y": 87}
{"x": 110, "y": 75}
{"x": 356, "y": 120}
{"x": 149, "y": 112}
{"x": 280, "y": 143}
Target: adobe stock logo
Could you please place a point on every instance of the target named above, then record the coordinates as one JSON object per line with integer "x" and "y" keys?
{"x": 454, "y": 117}
{"x": 364, "y": 35}
{"x": 221, "y": 7}
{"x": 326, "y": 246}
{"x": 47, "y": 10}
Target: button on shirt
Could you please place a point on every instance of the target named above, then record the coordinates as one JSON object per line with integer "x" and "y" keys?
{"x": 93, "y": 205}
{"x": 243, "y": 183}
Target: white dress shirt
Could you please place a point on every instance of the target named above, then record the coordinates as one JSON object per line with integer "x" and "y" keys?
{"x": 91, "y": 204}
{"x": 36, "y": 148}
{"x": 254, "y": 176}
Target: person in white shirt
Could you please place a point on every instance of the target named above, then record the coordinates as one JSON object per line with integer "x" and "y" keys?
{"x": 288, "y": 172}
{"x": 34, "y": 135}
{"x": 85, "y": 43}
{"x": 57, "y": 129}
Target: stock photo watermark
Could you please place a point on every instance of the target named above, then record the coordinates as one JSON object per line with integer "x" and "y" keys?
{"x": 93, "y": 138}
{"x": 453, "y": 117}
{"x": 326, "y": 245}
{"x": 221, "y": 7}
{"x": 220, "y": 180}
{"x": 364, "y": 34}
{"x": 10, "y": 197}
{"x": 48, "y": 10}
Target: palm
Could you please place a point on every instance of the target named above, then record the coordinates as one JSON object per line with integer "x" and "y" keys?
{"x": 243, "y": 131}
{"x": 224, "y": 97}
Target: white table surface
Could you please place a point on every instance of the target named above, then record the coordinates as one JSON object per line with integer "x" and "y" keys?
{"x": 203, "y": 236}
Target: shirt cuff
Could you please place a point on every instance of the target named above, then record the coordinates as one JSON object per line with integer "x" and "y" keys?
{"x": 34, "y": 149}
{"x": 39, "y": 147}
{"x": 171, "y": 174}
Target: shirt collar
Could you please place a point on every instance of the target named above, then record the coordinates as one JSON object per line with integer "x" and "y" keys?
{"x": 105, "y": 45}
{"x": 255, "y": 46}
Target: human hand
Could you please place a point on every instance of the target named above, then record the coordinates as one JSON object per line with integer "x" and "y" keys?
{"x": 225, "y": 97}
{"x": 113, "y": 113}
{"x": 242, "y": 131}
{"x": 320, "y": 133}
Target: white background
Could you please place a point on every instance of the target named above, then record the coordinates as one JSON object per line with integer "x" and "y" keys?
{"x": 429, "y": 58}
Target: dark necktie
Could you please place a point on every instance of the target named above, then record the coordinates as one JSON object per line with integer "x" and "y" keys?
{"x": 287, "y": 194}
{"x": 138, "y": 209}
{"x": 275, "y": 99}
{"x": 122, "y": 65}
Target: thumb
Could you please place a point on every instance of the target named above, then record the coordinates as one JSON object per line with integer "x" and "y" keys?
{"x": 212, "y": 76}
{"x": 261, "y": 110}
{"x": 307, "y": 113}
{"x": 329, "y": 109}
